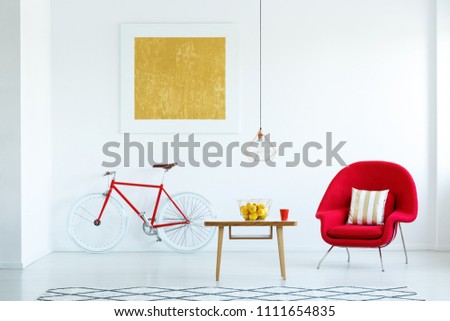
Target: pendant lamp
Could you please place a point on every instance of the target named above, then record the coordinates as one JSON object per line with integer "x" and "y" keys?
{"x": 261, "y": 144}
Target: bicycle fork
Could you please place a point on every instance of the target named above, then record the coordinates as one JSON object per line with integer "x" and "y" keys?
{"x": 107, "y": 194}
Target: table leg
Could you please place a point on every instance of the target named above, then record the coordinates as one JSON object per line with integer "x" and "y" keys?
{"x": 281, "y": 251}
{"x": 219, "y": 252}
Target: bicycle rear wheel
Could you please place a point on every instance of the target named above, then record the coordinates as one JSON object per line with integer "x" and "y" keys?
{"x": 97, "y": 238}
{"x": 186, "y": 237}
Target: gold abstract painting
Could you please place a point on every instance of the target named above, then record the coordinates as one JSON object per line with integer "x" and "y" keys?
{"x": 179, "y": 78}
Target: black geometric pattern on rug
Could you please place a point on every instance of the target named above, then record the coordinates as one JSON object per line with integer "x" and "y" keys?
{"x": 218, "y": 293}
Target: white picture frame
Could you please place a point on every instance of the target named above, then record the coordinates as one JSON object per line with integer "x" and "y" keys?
{"x": 128, "y": 124}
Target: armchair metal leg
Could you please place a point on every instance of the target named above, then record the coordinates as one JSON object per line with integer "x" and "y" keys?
{"x": 403, "y": 242}
{"x": 323, "y": 258}
{"x": 348, "y": 254}
{"x": 381, "y": 259}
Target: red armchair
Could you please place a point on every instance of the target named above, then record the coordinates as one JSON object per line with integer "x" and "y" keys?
{"x": 401, "y": 206}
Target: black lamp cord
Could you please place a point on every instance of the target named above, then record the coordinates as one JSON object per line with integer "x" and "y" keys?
{"x": 260, "y": 64}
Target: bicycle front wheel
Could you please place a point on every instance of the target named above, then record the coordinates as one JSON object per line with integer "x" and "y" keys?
{"x": 186, "y": 237}
{"x": 93, "y": 237}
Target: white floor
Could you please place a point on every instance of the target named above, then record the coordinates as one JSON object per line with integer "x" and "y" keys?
{"x": 428, "y": 272}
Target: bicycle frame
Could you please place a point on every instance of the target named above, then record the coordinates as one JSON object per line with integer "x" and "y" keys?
{"x": 161, "y": 190}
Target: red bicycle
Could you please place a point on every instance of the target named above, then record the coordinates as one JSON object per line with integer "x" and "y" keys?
{"x": 97, "y": 222}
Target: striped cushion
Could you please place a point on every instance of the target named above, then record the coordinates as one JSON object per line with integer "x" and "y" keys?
{"x": 367, "y": 207}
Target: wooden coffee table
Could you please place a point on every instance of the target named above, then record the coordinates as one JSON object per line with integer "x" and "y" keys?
{"x": 278, "y": 224}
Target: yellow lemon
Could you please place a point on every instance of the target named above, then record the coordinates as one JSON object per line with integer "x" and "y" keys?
{"x": 252, "y": 209}
{"x": 245, "y": 217}
{"x": 261, "y": 212}
{"x": 253, "y": 217}
{"x": 244, "y": 210}
{"x": 263, "y": 216}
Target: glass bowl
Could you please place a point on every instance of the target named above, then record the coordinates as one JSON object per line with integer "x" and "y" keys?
{"x": 255, "y": 209}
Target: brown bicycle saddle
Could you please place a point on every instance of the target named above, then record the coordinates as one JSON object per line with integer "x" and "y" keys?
{"x": 164, "y": 166}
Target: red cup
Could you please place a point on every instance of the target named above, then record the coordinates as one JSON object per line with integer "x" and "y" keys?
{"x": 284, "y": 214}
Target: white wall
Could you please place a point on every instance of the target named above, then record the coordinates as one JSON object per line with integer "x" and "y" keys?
{"x": 10, "y": 233}
{"x": 25, "y": 144}
{"x": 36, "y": 128}
{"x": 443, "y": 115}
{"x": 362, "y": 70}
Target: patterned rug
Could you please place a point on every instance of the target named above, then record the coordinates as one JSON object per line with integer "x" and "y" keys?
{"x": 268, "y": 293}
